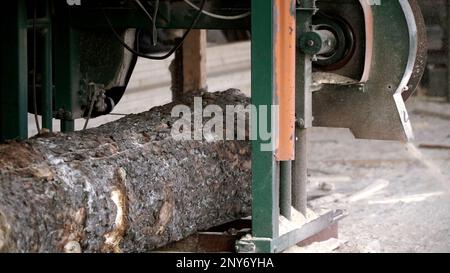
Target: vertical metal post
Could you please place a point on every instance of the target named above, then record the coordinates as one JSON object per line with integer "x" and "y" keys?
{"x": 67, "y": 125}
{"x": 67, "y": 68}
{"x": 264, "y": 167}
{"x": 303, "y": 109}
{"x": 300, "y": 172}
{"x": 448, "y": 50}
{"x": 13, "y": 71}
{"x": 47, "y": 72}
{"x": 285, "y": 52}
{"x": 286, "y": 188}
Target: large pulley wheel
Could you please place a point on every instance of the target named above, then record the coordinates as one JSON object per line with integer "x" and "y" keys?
{"x": 347, "y": 22}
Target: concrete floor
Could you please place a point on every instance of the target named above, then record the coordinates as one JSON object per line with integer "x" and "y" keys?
{"x": 396, "y": 194}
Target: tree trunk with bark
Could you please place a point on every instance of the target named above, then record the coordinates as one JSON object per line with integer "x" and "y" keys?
{"x": 126, "y": 186}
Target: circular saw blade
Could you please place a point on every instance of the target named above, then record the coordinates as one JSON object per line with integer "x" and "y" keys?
{"x": 422, "y": 51}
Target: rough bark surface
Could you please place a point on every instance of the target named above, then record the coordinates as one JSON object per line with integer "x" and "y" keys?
{"x": 126, "y": 186}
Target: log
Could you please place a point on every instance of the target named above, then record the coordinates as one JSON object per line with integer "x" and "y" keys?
{"x": 126, "y": 186}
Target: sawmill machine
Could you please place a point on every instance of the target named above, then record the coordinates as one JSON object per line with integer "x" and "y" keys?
{"x": 324, "y": 63}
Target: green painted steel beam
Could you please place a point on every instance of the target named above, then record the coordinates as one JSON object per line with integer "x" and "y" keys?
{"x": 286, "y": 189}
{"x": 67, "y": 71}
{"x": 67, "y": 125}
{"x": 13, "y": 72}
{"x": 264, "y": 167}
{"x": 47, "y": 73}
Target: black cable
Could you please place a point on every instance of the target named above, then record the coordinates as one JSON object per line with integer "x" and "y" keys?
{"x": 163, "y": 57}
{"x": 152, "y": 18}
{"x": 34, "y": 66}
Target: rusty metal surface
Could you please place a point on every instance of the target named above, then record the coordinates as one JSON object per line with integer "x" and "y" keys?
{"x": 217, "y": 239}
{"x": 204, "y": 242}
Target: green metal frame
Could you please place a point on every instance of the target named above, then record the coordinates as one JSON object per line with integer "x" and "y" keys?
{"x": 67, "y": 68}
{"x": 13, "y": 72}
{"x": 273, "y": 193}
{"x": 265, "y": 170}
{"x": 47, "y": 70}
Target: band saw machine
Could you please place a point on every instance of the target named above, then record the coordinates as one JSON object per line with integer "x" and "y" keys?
{"x": 324, "y": 63}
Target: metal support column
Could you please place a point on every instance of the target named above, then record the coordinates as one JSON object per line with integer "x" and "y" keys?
{"x": 299, "y": 200}
{"x": 448, "y": 50}
{"x": 265, "y": 174}
{"x": 67, "y": 68}
{"x": 303, "y": 109}
{"x": 286, "y": 189}
{"x": 273, "y": 84}
{"x": 285, "y": 55}
{"x": 47, "y": 71}
{"x": 13, "y": 71}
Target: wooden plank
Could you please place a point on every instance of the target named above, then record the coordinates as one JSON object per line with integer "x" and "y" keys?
{"x": 194, "y": 61}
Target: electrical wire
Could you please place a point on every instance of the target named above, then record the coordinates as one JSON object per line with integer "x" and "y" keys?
{"x": 218, "y": 16}
{"x": 168, "y": 54}
{"x": 155, "y": 31}
{"x": 152, "y": 19}
{"x": 35, "y": 66}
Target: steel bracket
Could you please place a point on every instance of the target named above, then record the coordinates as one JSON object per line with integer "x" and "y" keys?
{"x": 250, "y": 244}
